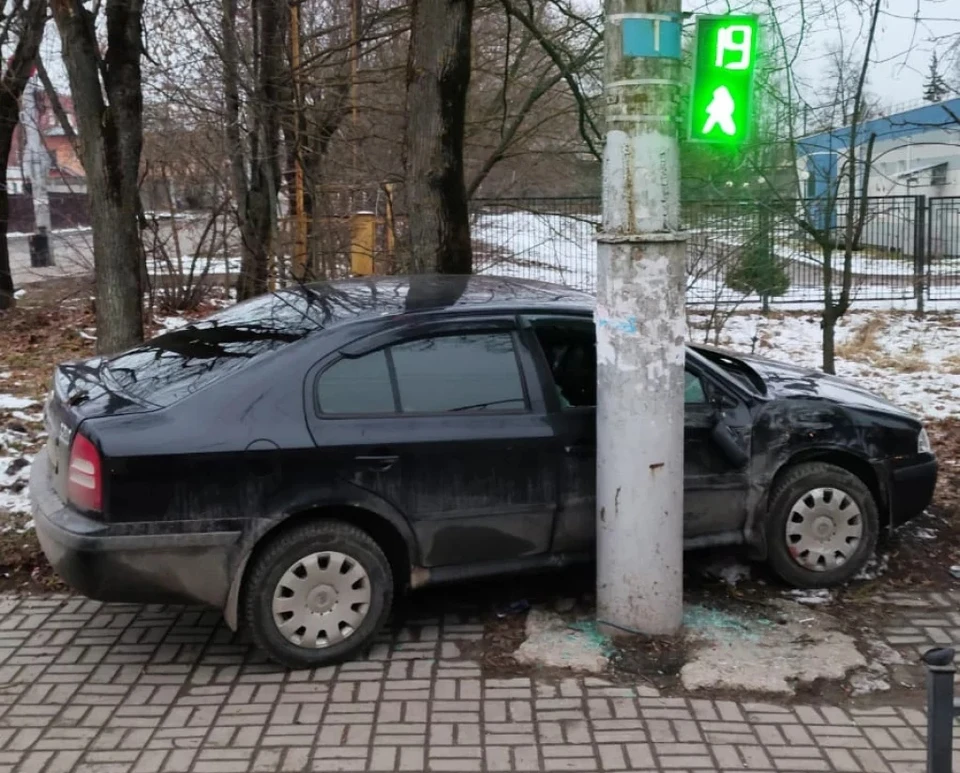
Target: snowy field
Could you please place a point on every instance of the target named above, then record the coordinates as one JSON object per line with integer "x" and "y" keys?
{"x": 21, "y": 425}
{"x": 913, "y": 363}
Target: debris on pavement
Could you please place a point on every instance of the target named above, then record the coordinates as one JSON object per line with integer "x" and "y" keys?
{"x": 874, "y": 679}
{"x": 553, "y": 642}
{"x": 771, "y": 654}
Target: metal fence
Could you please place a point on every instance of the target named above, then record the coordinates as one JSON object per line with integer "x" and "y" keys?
{"x": 906, "y": 248}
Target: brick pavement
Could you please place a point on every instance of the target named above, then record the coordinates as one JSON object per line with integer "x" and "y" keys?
{"x": 150, "y": 689}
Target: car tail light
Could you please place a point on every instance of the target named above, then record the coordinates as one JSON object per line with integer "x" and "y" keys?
{"x": 84, "y": 475}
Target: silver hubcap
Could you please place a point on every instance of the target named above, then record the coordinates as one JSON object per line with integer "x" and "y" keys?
{"x": 824, "y": 529}
{"x": 321, "y": 600}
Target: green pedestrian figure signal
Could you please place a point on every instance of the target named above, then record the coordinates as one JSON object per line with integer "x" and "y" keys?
{"x": 724, "y": 62}
{"x": 720, "y": 113}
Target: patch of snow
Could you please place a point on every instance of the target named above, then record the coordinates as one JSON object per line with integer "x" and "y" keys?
{"x": 23, "y": 528}
{"x": 6, "y": 374}
{"x": 172, "y": 323}
{"x": 925, "y": 533}
{"x": 874, "y": 679}
{"x": 811, "y": 597}
{"x": 728, "y": 570}
{"x": 11, "y": 403}
{"x": 86, "y": 336}
{"x": 14, "y": 474}
{"x": 56, "y": 232}
{"x": 196, "y": 268}
{"x": 874, "y": 568}
{"x": 19, "y": 294}
{"x": 32, "y": 418}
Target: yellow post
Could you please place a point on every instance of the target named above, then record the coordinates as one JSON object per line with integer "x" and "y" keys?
{"x": 363, "y": 235}
{"x": 300, "y": 238}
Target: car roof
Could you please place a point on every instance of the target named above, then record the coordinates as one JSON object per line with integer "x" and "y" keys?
{"x": 351, "y": 299}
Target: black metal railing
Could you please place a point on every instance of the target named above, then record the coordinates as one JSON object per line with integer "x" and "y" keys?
{"x": 905, "y": 248}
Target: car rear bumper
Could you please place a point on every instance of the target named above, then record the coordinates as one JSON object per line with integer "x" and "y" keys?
{"x": 912, "y": 483}
{"x": 128, "y": 562}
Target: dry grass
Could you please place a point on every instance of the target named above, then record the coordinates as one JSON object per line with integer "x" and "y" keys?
{"x": 863, "y": 345}
{"x": 906, "y": 363}
{"x": 951, "y": 364}
{"x": 910, "y": 361}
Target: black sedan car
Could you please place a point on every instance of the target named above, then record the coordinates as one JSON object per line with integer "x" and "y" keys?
{"x": 298, "y": 459}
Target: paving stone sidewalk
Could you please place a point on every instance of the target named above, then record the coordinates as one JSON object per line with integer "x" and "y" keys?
{"x": 150, "y": 689}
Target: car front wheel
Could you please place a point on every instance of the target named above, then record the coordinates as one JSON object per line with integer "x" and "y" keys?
{"x": 318, "y": 594}
{"x": 823, "y": 525}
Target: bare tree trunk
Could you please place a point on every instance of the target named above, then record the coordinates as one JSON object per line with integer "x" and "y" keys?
{"x": 438, "y": 75}
{"x": 110, "y": 119}
{"x": 852, "y": 228}
{"x": 828, "y": 324}
{"x": 12, "y": 86}
{"x": 256, "y": 194}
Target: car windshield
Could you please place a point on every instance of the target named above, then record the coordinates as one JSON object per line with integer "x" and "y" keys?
{"x": 182, "y": 361}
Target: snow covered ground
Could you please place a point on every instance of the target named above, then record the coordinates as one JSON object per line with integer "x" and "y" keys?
{"x": 914, "y": 363}
{"x": 196, "y": 268}
{"x": 21, "y": 425}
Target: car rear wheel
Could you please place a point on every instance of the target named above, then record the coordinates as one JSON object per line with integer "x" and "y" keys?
{"x": 823, "y": 525}
{"x": 318, "y": 594}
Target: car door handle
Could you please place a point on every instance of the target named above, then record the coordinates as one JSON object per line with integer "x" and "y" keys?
{"x": 579, "y": 449}
{"x": 378, "y": 462}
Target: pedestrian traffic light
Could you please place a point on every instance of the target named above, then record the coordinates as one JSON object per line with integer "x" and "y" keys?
{"x": 724, "y": 61}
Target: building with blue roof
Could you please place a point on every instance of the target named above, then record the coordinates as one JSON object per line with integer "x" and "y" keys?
{"x": 916, "y": 152}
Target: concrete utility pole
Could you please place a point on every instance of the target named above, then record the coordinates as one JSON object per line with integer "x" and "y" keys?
{"x": 38, "y": 171}
{"x": 640, "y": 325}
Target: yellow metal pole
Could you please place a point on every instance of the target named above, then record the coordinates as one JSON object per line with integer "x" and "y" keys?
{"x": 300, "y": 215}
{"x": 363, "y": 237}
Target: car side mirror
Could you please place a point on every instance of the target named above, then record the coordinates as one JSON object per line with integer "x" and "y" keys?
{"x": 728, "y": 441}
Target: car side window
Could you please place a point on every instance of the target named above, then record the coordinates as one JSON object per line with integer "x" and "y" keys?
{"x": 693, "y": 392}
{"x": 358, "y": 385}
{"x": 570, "y": 347}
{"x": 467, "y": 372}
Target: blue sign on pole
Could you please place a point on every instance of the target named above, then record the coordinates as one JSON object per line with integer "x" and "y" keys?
{"x": 654, "y": 36}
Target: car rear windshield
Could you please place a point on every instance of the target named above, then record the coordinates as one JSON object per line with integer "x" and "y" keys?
{"x": 176, "y": 364}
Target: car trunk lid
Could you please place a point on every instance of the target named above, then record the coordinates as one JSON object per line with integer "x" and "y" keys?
{"x": 81, "y": 390}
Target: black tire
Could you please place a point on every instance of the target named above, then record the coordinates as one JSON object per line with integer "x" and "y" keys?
{"x": 284, "y": 552}
{"x": 798, "y": 481}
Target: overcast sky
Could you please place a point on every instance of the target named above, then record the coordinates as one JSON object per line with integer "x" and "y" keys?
{"x": 908, "y": 31}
